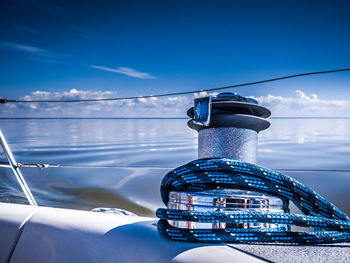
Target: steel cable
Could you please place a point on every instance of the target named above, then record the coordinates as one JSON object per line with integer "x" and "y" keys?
{"x": 2, "y": 100}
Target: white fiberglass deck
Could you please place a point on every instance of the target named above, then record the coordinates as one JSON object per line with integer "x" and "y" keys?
{"x": 42, "y": 234}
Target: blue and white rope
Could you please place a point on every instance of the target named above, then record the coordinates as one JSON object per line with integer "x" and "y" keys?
{"x": 330, "y": 224}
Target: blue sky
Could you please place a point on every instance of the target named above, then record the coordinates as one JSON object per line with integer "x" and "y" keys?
{"x": 74, "y": 49}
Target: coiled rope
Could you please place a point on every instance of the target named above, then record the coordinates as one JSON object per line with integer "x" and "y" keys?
{"x": 330, "y": 224}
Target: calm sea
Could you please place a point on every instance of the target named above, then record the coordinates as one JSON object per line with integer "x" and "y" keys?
{"x": 91, "y": 151}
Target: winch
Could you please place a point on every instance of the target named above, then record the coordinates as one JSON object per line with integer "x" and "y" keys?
{"x": 223, "y": 200}
{"x": 224, "y": 196}
{"x": 228, "y": 126}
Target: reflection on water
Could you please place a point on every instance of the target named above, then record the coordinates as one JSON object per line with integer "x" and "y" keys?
{"x": 164, "y": 143}
{"x": 305, "y": 144}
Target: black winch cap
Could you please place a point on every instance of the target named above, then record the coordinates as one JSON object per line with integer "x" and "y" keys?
{"x": 235, "y": 107}
{"x": 233, "y": 110}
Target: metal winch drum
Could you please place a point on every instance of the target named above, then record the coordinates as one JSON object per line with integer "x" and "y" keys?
{"x": 228, "y": 126}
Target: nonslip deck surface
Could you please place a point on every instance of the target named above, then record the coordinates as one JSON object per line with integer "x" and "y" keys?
{"x": 298, "y": 253}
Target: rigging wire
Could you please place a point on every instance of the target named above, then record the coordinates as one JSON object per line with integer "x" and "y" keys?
{"x": 181, "y": 93}
{"x": 47, "y": 165}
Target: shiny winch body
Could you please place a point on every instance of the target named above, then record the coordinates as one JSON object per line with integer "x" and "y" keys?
{"x": 224, "y": 200}
{"x": 228, "y": 126}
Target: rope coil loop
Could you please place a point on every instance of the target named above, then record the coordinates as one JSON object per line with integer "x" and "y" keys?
{"x": 330, "y": 224}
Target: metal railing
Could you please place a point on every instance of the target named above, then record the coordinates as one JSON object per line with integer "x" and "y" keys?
{"x": 16, "y": 171}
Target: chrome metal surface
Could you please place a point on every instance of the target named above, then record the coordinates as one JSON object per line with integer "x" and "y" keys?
{"x": 30, "y": 165}
{"x": 228, "y": 142}
{"x": 16, "y": 171}
{"x": 224, "y": 200}
{"x": 228, "y": 127}
{"x": 202, "y": 111}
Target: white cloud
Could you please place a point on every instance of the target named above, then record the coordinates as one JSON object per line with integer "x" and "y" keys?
{"x": 126, "y": 71}
{"x": 45, "y": 55}
{"x": 32, "y": 50}
{"x": 304, "y": 105}
{"x": 66, "y": 95}
{"x": 299, "y": 105}
{"x": 141, "y": 107}
{"x": 204, "y": 94}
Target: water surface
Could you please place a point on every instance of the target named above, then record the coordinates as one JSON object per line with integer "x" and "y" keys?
{"x": 89, "y": 150}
